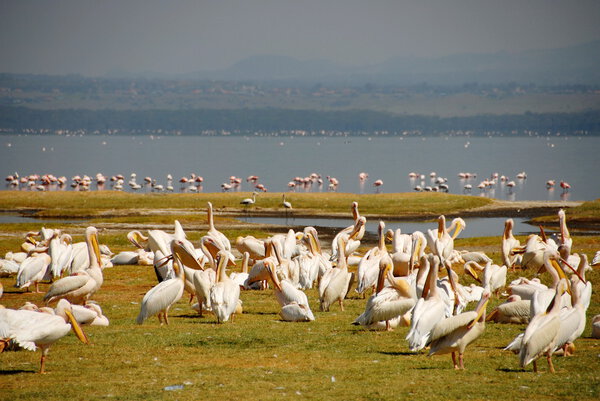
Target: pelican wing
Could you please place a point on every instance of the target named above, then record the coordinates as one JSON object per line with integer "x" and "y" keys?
{"x": 160, "y": 297}
{"x": 66, "y": 285}
{"x": 451, "y": 324}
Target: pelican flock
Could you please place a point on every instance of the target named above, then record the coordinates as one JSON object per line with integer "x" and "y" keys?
{"x": 417, "y": 285}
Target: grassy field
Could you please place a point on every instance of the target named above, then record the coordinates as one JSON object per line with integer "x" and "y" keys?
{"x": 257, "y": 356}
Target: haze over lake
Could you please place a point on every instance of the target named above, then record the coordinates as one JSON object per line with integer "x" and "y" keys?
{"x": 277, "y": 160}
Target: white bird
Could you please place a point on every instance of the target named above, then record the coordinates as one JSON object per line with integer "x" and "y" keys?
{"x": 542, "y": 333}
{"x": 295, "y": 312}
{"x": 225, "y": 293}
{"x": 428, "y": 311}
{"x": 355, "y": 233}
{"x": 455, "y": 333}
{"x": 80, "y": 286}
{"x": 336, "y": 282}
{"x": 220, "y": 239}
{"x": 35, "y": 268}
{"x": 285, "y": 292}
{"x": 389, "y": 303}
{"x": 254, "y": 246}
{"x": 61, "y": 252}
{"x": 368, "y": 267}
{"x": 30, "y": 329}
{"x": 249, "y": 201}
{"x": 494, "y": 276}
{"x": 514, "y": 310}
{"x": 509, "y": 244}
{"x": 440, "y": 241}
{"x": 286, "y": 204}
{"x": 162, "y": 296}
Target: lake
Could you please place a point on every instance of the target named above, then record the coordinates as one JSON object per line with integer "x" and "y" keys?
{"x": 277, "y": 160}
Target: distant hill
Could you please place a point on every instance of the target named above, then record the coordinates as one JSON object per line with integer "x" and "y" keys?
{"x": 570, "y": 65}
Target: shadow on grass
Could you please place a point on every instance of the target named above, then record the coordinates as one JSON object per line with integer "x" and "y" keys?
{"x": 509, "y": 370}
{"x": 397, "y": 353}
{"x": 15, "y": 372}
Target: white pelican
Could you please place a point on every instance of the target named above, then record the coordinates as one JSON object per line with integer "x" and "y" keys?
{"x": 494, "y": 276}
{"x": 254, "y": 246}
{"x": 221, "y": 240}
{"x": 578, "y": 281}
{"x": 166, "y": 293}
{"x": 79, "y": 287}
{"x": 295, "y": 312}
{"x": 542, "y": 332}
{"x": 89, "y": 314}
{"x": 510, "y": 243}
{"x": 572, "y": 323}
{"x": 428, "y": 311}
{"x": 533, "y": 251}
{"x": 455, "y": 333}
{"x": 203, "y": 280}
{"x": 285, "y": 291}
{"x": 440, "y": 241}
{"x": 31, "y": 329}
{"x": 34, "y": 269}
{"x": 336, "y": 282}
{"x": 368, "y": 267}
{"x": 514, "y": 310}
{"x": 61, "y": 252}
{"x": 542, "y": 298}
{"x": 241, "y": 277}
{"x": 225, "y": 293}
{"x": 356, "y": 231}
{"x": 389, "y": 303}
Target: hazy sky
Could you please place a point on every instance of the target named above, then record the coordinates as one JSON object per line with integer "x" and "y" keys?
{"x": 178, "y": 36}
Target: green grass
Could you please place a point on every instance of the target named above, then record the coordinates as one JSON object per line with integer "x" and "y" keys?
{"x": 588, "y": 213}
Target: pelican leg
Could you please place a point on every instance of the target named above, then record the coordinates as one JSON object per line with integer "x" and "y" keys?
{"x": 550, "y": 365}
{"x": 454, "y": 360}
{"x": 160, "y": 318}
{"x": 37, "y": 288}
{"x": 341, "y": 304}
{"x": 388, "y": 327}
{"x": 166, "y": 317}
{"x": 461, "y": 362}
{"x": 191, "y": 297}
{"x": 535, "y": 369}
{"x": 43, "y": 361}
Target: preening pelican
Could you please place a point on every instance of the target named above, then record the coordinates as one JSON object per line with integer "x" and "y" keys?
{"x": 356, "y": 231}
{"x": 494, "y": 276}
{"x": 225, "y": 293}
{"x": 285, "y": 292}
{"x": 440, "y": 241}
{"x": 336, "y": 282}
{"x": 166, "y": 293}
{"x": 455, "y": 333}
{"x": 35, "y": 268}
{"x": 254, "y": 246}
{"x": 542, "y": 333}
{"x": 389, "y": 303}
{"x": 509, "y": 244}
{"x": 80, "y": 286}
{"x": 61, "y": 252}
{"x": 31, "y": 329}
{"x": 221, "y": 240}
{"x": 368, "y": 267}
{"x": 514, "y": 310}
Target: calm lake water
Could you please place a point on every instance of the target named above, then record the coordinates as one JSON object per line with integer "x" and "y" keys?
{"x": 277, "y": 160}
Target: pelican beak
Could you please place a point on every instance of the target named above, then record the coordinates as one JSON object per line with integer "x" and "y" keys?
{"x": 383, "y": 269}
{"x": 96, "y": 247}
{"x": 458, "y": 229}
{"x": 559, "y": 270}
{"x": 472, "y": 273}
{"x": 480, "y": 309}
{"x": 186, "y": 257}
{"x": 76, "y": 328}
{"x": 441, "y": 229}
{"x": 574, "y": 270}
{"x": 506, "y": 228}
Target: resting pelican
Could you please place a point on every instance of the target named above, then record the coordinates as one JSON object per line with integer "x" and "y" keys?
{"x": 295, "y": 312}
{"x": 407, "y": 249}
{"x": 34, "y": 269}
{"x": 285, "y": 291}
{"x": 241, "y": 277}
{"x": 494, "y": 276}
{"x": 542, "y": 333}
{"x": 428, "y": 311}
{"x": 31, "y": 329}
{"x": 389, "y": 302}
{"x": 225, "y": 293}
{"x": 254, "y": 246}
{"x": 166, "y": 293}
{"x": 572, "y": 323}
{"x": 336, "y": 282}
{"x": 203, "y": 280}
{"x": 514, "y": 310}
{"x": 455, "y": 333}
{"x": 510, "y": 243}
{"x": 578, "y": 280}
{"x": 89, "y": 314}
{"x": 440, "y": 241}
{"x": 80, "y": 286}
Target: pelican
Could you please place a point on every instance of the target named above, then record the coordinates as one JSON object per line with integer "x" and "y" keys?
{"x": 455, "y": 333}
{"x": 79, "y": 287}
{"x": 428, "y": 311}
{"x": 542, "y": 333}
{"x": 295, "y": 312}
{"x": 494, "y": 276}
{"x": 336, "y": 282}
{"x": 514, "y": 310}
{"x": 30, "y": 329}
{"x": 240, "y": 278}
{"x": 162, "y": 296}
{"x": 254, "y": 246}
{"x": 389, "y": 303}
{"x": 542, "y": 298}
{"x": 578, "y": 281}
{"x": 368, "y": 266}
{"x": 203, "y": 280}
{"x": 356, "y": 230}
{"x": 440, "y": 241}
{"x": 572, "y": 323}
{"x": 89, "y": 314}
{"x": 225, "y": 293}
{"x": 61, "y": 252}
{"x": 34, "y": 269}
{"x": 510, "y": 243}
{"x": 285, "y": 292}
{"x": 221, "y": 240}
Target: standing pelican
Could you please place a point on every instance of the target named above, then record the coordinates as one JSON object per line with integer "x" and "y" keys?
{"x": 61, "y": 252}
{"x": 440, "y": 241}
{"x": 166, "y": 293}
{"x": 335, "y": 283}
{"x": 455, "y": 333}
{"x": 287, "y": 294}
{"x": 542, "y": 333}
{"x": 35, "y": 268}
{"x": 356, "y": 231}
{"x": 221, "y": 240}
{"x": 510, "y": 243}
{"x": 368, "y": 267}
{"x": 80, "y": 286}
{"x": 31, "y": 329}
{"x": 225, "y": 293}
